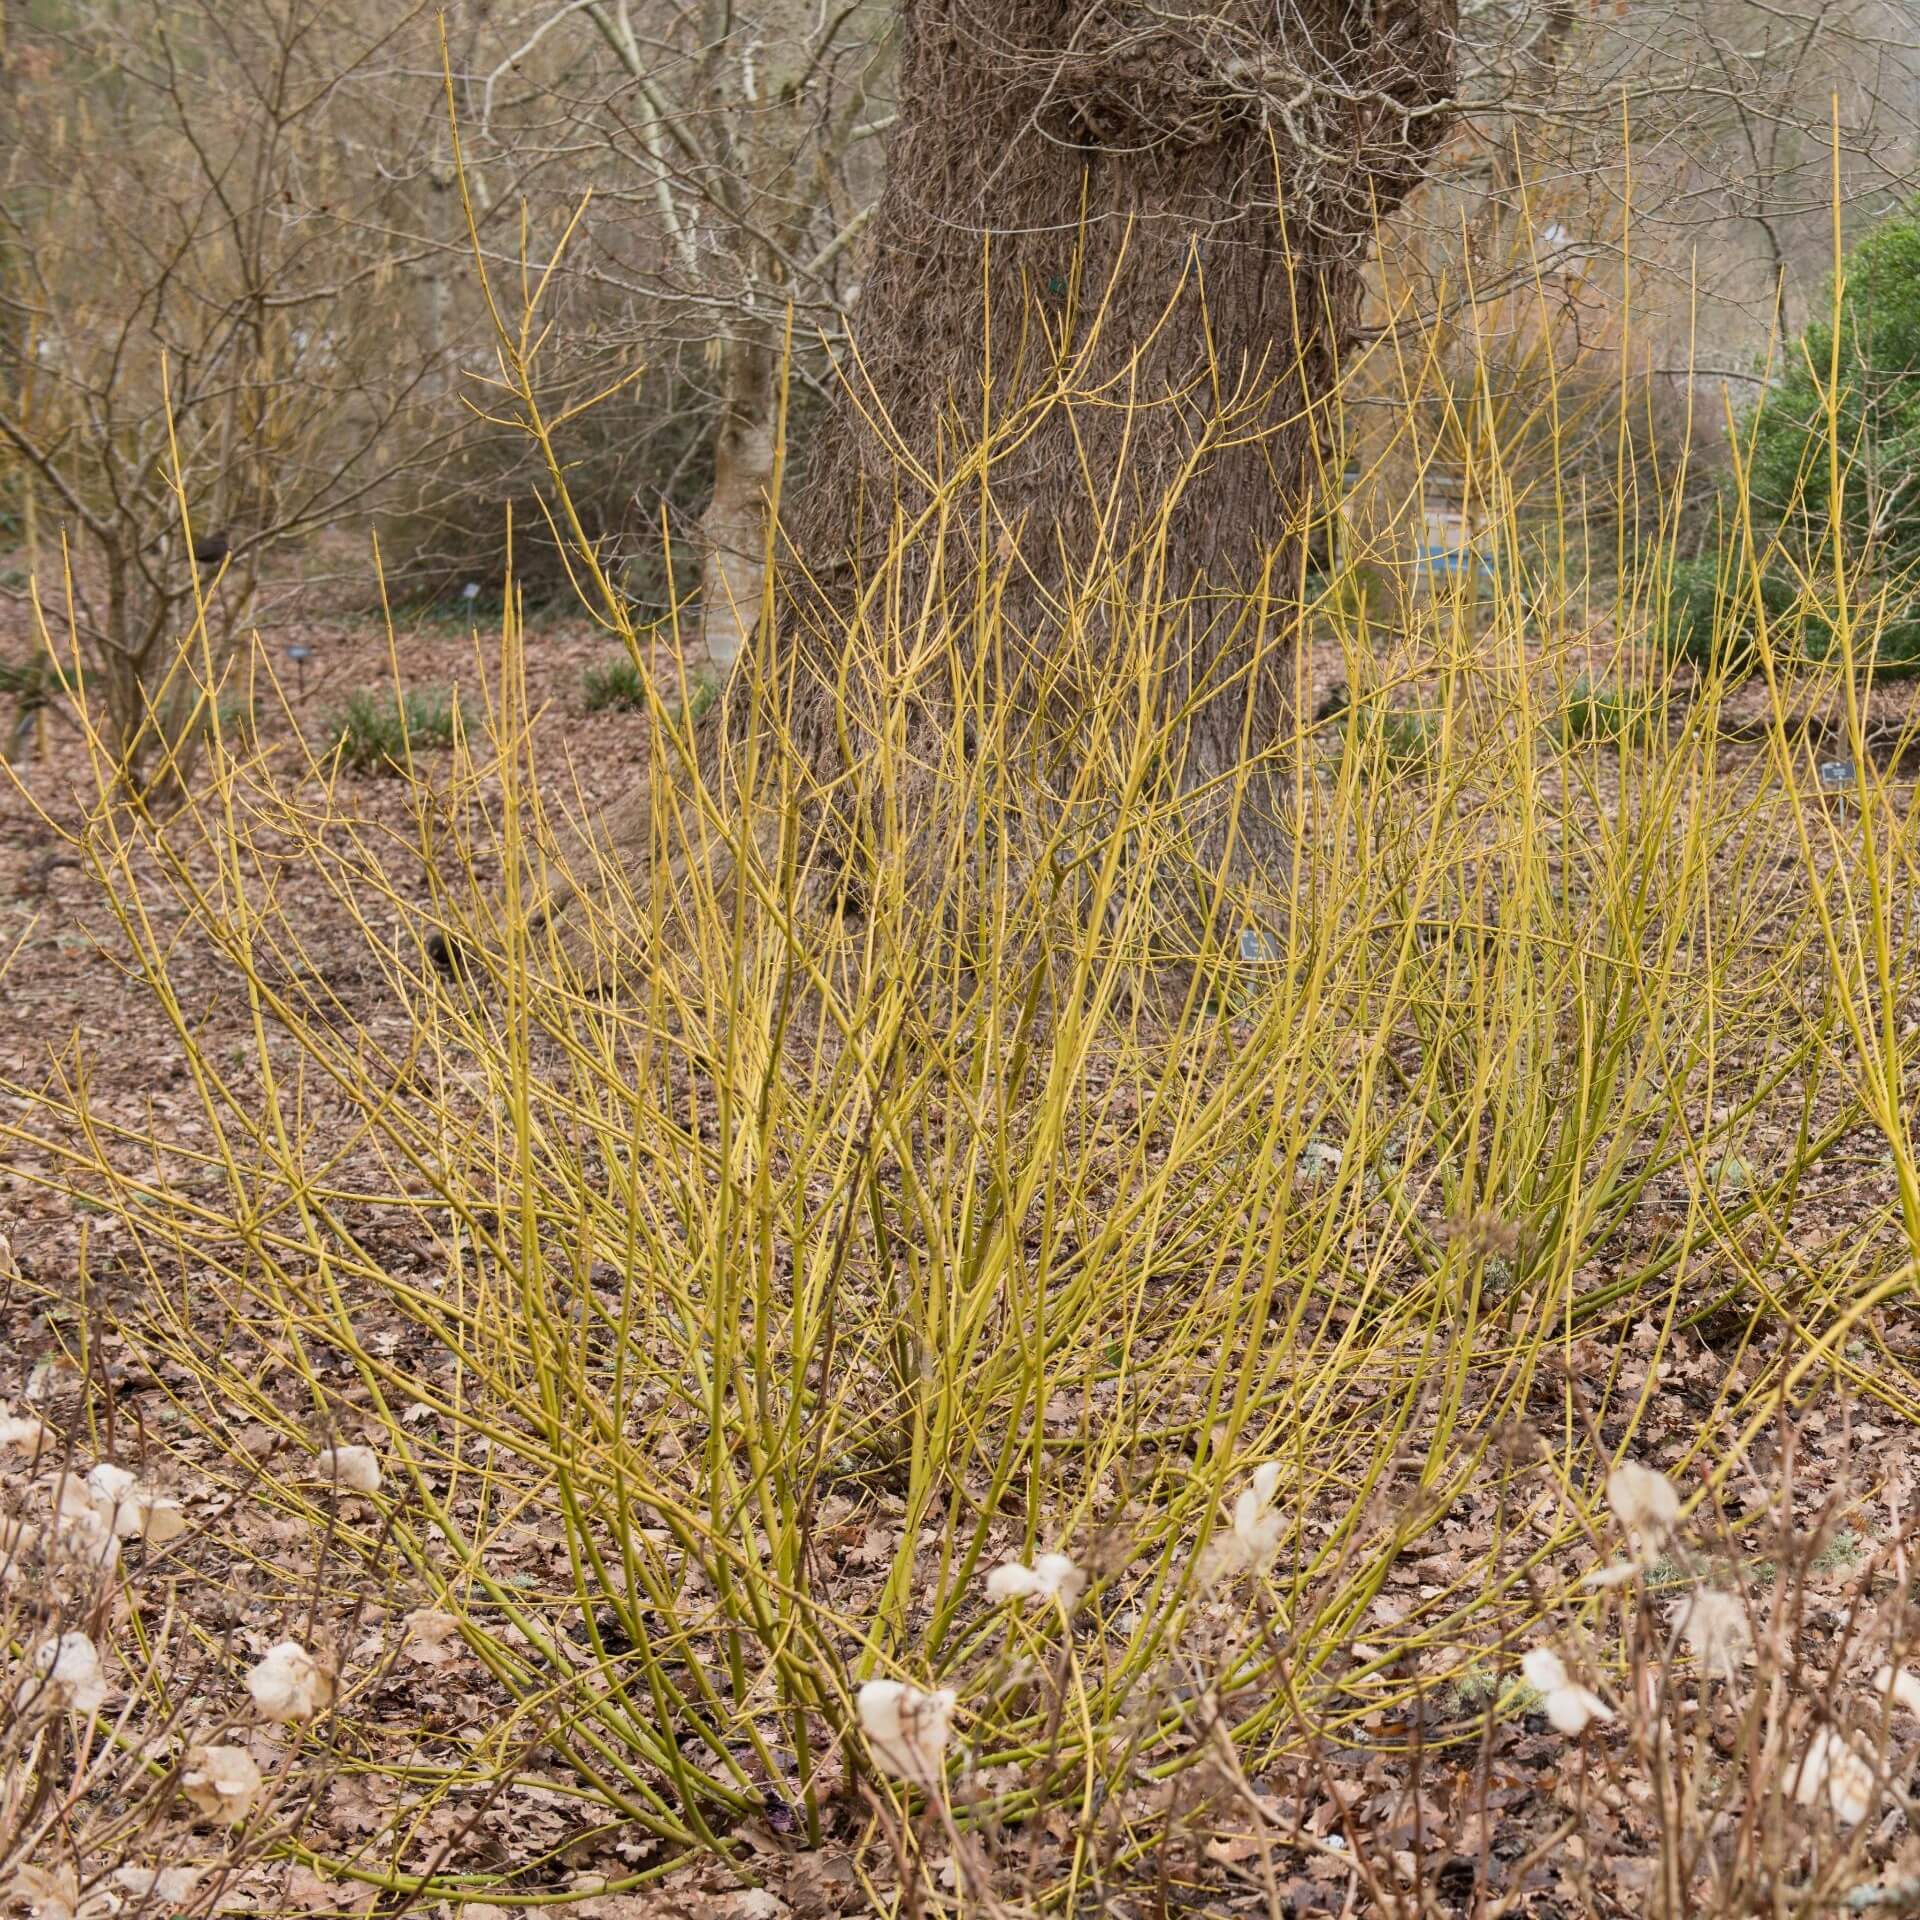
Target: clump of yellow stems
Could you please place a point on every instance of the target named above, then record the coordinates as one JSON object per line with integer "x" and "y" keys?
{"x": 718, "y": 1226}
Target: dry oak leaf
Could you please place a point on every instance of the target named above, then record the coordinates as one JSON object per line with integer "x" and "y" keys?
{"x": 432, "y": 1637}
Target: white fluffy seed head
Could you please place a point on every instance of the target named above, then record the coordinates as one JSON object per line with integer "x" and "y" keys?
{"x": 1052, "y": 1576}
{"x": 1253, "y": 1538}
{"x": 357, "y": 1469}
{"x": 108, "y": 1482}
{"x": 82, "y": 1531}
{"x": 171, "y": 1884}
{"x": 1647, "y": 1505}
{"x": 1013, "y": 1581}
{"x": 1616, "y": 1573}
{"x": 66, "y": 1678}
{"x": 289, "y": 1683}
{"x": 433, "y": 1637}
{"x": 1715, "y": 1628}
{"x": 115, "y": 1499}
{"x": 1061, "y": 1578}
{"x": 1543, "y": 1669}
{"x": 907, "y": 1729}
{"x": 1571, "y": 1710}
{"x": 1832, "y": 1770}
{"x": 221, "y": 1782}
{"x": 133, "y": 1511}
{"x": 1900, "y": 1687}
{"x": 72, "y": 1497}
{"x": 1256, "y": 1526}
{"x": 26, "y": 1433}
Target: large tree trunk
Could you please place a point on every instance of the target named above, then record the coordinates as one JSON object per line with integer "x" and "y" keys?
{"x": 1147, "y": 230}
{"x": 1173, "y": 208}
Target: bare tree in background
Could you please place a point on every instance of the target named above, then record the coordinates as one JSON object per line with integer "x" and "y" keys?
{"x": 1637, "y": 197}
{"x": 735, "y": 176}
{"x": 206, "y": 348}
{"x": 1690, "y": 142}
{"x": 734, "y": 169}
{"x": 272, "y": 186}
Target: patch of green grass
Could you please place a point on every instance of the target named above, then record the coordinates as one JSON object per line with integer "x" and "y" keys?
{"x": 1730, "y": 1175}
{"x": 1397, "y": 739}
{"x": 376, "y": 733}
{"x": 35, "y": 680}
{"x": 239, "y": 718}
{"x": 1846, "y": 1549}
{"x": 615, "y": 686}
{"x": 1355, "y": 596}
{"x": 1477, "y": 1687}
{"x": 1596, "y": 710}
{"x": 452, "y": 607}
{"x": 618, "y": 685}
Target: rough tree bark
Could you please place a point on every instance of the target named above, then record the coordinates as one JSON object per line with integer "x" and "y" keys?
{"x": 1180, "y": 203}
{"x": 1179, "y": 206}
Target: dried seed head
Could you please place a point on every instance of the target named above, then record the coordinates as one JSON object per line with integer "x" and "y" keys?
{"x": 81, "y": 1530}
{"x": 222, "y": 1782}
{"x": 433, "y": 1637}
{"x": 169, "y": 1884}
{"x": 289, "y": 1683}
{"x": 906, "y": 1730}
{"x": 1254, "y": 1537}
{"x": 1900, "y": 1687}
{"x": 1715, "y": 1628}
{"x": 1569, "y": 1708}
{"x": 1256, "y": 1526}
{"x": 1833, "y": 1770}
{"x": 357, "y": 1469}
{"x": 1544, "y": 1670}
{"x": 66, "y": 1678}
{"x": 1647, "y": 1505}
{"x": 115, "y": 1499}
{"x": 26, "y": 1433}
{"x": 1051, "y": 1575}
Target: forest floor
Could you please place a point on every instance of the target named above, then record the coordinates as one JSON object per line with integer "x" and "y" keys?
{"x": 1441, "y": 1808}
